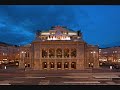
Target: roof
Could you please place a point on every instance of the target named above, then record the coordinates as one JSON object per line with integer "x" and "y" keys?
{"x": 4, "y": 44}
{"x": 53, "y": 27}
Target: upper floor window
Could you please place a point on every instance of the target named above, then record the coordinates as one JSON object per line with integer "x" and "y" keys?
{"x": 59, "y": 53}
{"x": 44, "y": 53}
{"x": 73, "y": 53}
{"x": 66, "y": 53}
{"x": 51, "y": 53}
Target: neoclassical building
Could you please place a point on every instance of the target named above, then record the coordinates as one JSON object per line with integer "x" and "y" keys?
{"x": 60, "y": 49}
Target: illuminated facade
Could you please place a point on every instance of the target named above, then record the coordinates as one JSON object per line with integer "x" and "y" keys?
{"x": 111, "y": 54}
{"x": 60, "y": 49}
{"x": 8, "y": 53}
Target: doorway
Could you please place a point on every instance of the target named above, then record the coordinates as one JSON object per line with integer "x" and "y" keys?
{"x": 73, "y": 65}
{"x": 52, "y": 65}
{"x": 66, "y": 65}
{"x": 59, "y": 65}
{"x": 44, "y": 65}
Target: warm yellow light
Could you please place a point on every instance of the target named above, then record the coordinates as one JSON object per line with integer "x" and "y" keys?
{"x": 94, "y": 52}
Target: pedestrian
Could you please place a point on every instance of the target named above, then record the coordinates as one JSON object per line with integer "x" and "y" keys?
{"x": 89, "y": 64}
{"x": 25, "y": 67}
{"x": 5, "y": 67}
{"x": 111, "y": 67}
{"x": 92, "y": 65}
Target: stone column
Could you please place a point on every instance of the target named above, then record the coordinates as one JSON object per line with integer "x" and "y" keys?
{"x": 62, "y": 59}
{"x": 69, "y": 59}
{"x": 40, "y": 57}
{"x": 62, "y": 64}
{"x": 48, "y": 65}
{"x": 70, "y": 64}
{"x": 55, "y": 65}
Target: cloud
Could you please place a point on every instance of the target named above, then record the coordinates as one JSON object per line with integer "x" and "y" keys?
{"x": 20, "y": 22}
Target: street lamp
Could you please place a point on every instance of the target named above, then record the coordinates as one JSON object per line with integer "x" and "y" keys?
{"x": 92, "y": 63}
{"x": 93, "y": 55}
{"x": 23, "y": 56}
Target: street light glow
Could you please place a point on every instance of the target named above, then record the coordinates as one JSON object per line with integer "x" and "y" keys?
{"x": 93, "y": 52}
{"x": 23, "y": 52}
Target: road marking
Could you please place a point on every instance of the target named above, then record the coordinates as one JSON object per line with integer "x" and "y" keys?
{"x": 29, "y": 77}
{"x": 107, "y": 76}
{"x": 53, "y": 76}
{"x": 111, "y": 83}
{"x": 83, "y": 82}
{"x": 44, "y": 82}
{"x": 16, "y": 81}
{"x": 74, "y": 77}
{"x": 5, "y": 84}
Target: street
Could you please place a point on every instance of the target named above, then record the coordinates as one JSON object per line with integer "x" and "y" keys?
{"x": 16, "y": 76}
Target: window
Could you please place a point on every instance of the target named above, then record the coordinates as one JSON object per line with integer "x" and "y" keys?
{"x": 59, "y": 65}
{"x": 73, "y": 65}
{"x": 51, "y": 53}
{"x": 44, "y": 65}
{"x": 66, "y": 65}
{"x": 59, "y": 53}
{"x": 73, "y": 52}
{"x": 52, "y": 65}
{"x": 44, "y": 53}
{"x": 66, "y": 53}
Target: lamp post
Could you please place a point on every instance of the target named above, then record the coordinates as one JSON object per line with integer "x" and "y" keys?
{"x": 23, "y": 57}
{"x": 92, "y": 64}
{"x": 93, "y": 56}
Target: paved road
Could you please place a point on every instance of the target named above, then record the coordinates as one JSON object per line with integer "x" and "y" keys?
{"x": 17, "y": 76}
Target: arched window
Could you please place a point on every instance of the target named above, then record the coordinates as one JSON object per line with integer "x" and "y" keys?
{"x": 51, "y": 53}
{"x": 59, "y": 65}
{"x": 73, "y": 65}
{"x": 59, "y": 53}
{"x": 52, "y": 65}
{"x": 66, "y": 53}
{"x": 44, "y": 53}
{"x": 73, "y": 53}
{"x": 44, "y": 65}
{"x": 66, "y": 65}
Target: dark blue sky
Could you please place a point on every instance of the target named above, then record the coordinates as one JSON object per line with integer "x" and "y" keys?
{"x": 100, "y": 24}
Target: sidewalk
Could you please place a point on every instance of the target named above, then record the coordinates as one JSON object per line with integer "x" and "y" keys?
{"x": 29, "y": 70}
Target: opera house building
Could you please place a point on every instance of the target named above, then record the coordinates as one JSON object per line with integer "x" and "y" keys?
{"x": 59, "y": 48}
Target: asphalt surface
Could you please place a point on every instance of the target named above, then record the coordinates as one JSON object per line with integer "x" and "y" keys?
{"x": 16, "y": 76}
